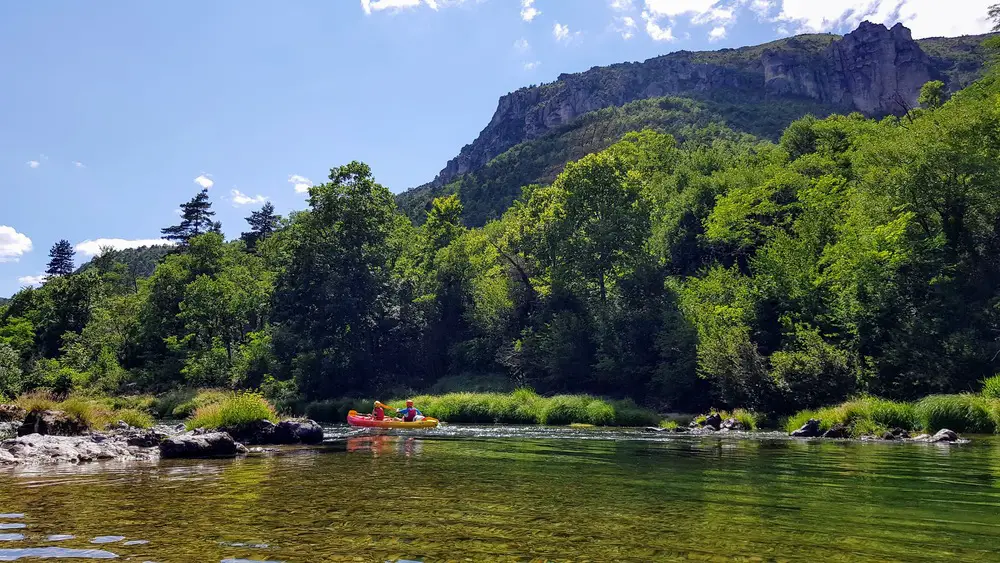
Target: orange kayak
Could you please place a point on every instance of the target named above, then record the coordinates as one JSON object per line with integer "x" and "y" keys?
{"x": 366, "y": 421}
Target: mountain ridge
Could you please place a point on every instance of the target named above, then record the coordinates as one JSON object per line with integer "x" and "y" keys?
{"x": 875, "y": 70}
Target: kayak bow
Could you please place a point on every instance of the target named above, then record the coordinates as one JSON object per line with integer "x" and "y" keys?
{"x": 355, "y": 419}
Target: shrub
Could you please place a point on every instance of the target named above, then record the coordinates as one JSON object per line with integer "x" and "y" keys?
{"x": 236, "y": 410}
{"x": 961, "y": 413}
{"x": 134, "y": 418}
{"x": 991, "y": 387}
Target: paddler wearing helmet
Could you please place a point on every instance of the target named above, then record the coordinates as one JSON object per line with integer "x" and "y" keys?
{"x": 410, "y": 413}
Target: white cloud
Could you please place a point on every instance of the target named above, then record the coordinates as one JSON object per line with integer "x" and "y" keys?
{"x": 926, "y": 18}
{"x": 700, "y": 11}
{"x": 204, "y": 181}
{"x": 528, "y": 10}
{"x": 655, "y": 31}
{"x": 13, "y": 244}
{"x": 562, "y": 33}
{"x": 369, "y": 6}
{"x": 240, "y": 198}
{"x": 301, "y": 183}
{"x": 717, "y": 33}
{"x": 93, "y": 247}
{"x": 626, "y": 27}
{"x": 32, "y": 281}
{"x": 522, "y": 45}
{"x": 79, "y": 164}
{"x": 621, "y": 5}
{"x": 34, "y": 164}
{"x": 532, "y": 65}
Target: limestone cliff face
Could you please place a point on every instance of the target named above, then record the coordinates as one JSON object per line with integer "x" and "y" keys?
{"x": 874, "y": 70}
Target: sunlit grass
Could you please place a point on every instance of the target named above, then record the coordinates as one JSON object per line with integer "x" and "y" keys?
{"x": 236, "y": 410}
{"x": 872, "y": 416}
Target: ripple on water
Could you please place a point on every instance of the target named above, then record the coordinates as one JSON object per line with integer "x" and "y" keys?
{"x": 248, "y": 561}
{"x": 12, "y": 525}
{"x": 12, "y": 516}
{"x": 136, "y": 542}
{"x": 11, "y": 537}
{"x": 54, "y": 553}
{"x": 107, "y": 539}
{"x": 60, "y": 537}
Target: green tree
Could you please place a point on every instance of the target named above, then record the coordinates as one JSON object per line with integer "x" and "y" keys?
{"x": 332, "y": 297}
{"x": 10, "y": 372}
{"x": 262, "y": 223}
{"x": 61, "y": 259}
{"x": 932, "y": 94}
{"x": 196, "y": 219}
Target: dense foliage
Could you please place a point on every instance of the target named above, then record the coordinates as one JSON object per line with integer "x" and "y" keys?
{"x": 853, "y": 257}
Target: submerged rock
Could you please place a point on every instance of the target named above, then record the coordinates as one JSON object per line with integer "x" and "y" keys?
{"x": 809, "y": 430}
{"x": 944, "y": 435}
{"x": 732, "y": 424}
{"x": 209, "y": 444}
{"x": 837, "y": 431}
{"x": 265, "y": 432}
{"x": 38, "y": 448}
{"x": 53, "y": 423}
{"x": 889, "y": 436}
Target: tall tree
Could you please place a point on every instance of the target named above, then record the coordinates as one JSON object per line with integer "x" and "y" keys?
{"x": 196, "y": 219}
{"x": 262, "y": 223}
{"x": 332, "y": 299}
{"x": 61, "y": 259}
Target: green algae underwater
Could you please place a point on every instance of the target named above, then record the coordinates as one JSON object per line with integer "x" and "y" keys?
{"x": 520, "y": 494}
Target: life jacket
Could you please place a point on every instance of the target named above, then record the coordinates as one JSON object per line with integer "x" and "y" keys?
{"x": 409, "y": 413}
{"x": 379, "y": 413}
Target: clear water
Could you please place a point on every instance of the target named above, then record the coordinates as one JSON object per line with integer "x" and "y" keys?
{"x": 510, "y": 494}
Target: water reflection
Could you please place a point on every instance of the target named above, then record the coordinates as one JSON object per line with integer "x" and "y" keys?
{"x": 381, "y": 444}
{"x": 513, "y": 494}
{"x": 53, "y": 553}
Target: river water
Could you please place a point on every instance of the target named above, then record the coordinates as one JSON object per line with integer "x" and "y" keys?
{"x": 466, "y": 493}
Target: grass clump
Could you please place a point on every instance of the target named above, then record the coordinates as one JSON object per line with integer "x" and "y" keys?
{"x": 962, "y": 413}
{"x": 862, "y": 416}
{"x": 524, "y": 406}
{"x": 669, "y": 424}
{"x": 236, "y": 410}
{"x": 36, "y": 401}
{"x": 182, "y": 403}
{"x": 991, "y": 387}
{"x": 134, "y": 418}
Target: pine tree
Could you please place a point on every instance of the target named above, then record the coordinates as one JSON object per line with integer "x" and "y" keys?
{"x": 262, "y": 223}
{"x": 61, "y": 259}
{"x": 196, "y": 219}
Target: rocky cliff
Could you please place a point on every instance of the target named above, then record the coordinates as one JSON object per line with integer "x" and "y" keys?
{"x": 873, "y": 69}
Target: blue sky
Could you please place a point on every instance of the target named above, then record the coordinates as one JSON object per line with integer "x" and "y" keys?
{"x": 114, "y": 112}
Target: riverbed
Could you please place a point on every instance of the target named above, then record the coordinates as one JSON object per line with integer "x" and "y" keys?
{"x": 477, "y": 493}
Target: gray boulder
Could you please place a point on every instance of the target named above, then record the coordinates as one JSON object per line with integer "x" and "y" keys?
{"x": 809, "y": 430}
{"x": 51, "y": 423}
{"x": 944, "y": 435}
{"x": 298, "y": 431}
{"x": 45, "y": 449}
{"x": 837, "y": 431}
{"x": 713, "y": 420}
{"x": 209, "y": 444}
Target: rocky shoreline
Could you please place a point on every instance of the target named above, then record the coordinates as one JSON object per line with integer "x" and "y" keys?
{"x": 714, "y": 424}
{"x": 52, "y": 437}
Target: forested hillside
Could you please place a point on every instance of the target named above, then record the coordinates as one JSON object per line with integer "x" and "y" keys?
{"x": 710, "y": 268}
{"x": 758, "y": 90}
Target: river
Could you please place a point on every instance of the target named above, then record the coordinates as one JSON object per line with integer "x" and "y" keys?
{"x": 466, "y": 493}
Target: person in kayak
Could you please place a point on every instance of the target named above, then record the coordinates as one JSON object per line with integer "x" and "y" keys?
{"x": 378, "y": 413}
{"x": 409, "y": 413}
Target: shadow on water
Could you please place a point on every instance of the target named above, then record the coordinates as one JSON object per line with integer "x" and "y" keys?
{"x": 521, "y": 494}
